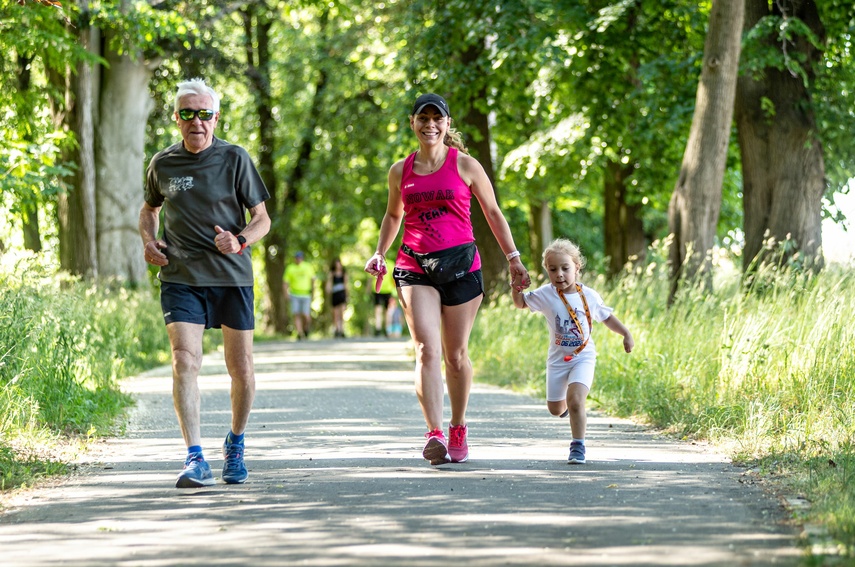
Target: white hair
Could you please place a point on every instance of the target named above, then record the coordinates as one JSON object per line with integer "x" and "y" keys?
{"x": 196, "y": 86}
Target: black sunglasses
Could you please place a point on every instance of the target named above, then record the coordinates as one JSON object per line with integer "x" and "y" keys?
{"x": 188, "y": 114}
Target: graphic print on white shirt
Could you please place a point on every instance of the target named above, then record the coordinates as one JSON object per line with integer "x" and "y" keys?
{"x": 566, "y": 332}
{"x": 564, "y": 336}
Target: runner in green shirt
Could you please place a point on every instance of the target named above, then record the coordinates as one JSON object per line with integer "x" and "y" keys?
{"x": 298, "y": 286}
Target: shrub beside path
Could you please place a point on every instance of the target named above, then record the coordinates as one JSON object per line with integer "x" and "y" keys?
{"x": 336, "y": 478}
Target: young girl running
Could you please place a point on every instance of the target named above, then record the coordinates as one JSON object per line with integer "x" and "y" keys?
{"x": 569, "y": 308}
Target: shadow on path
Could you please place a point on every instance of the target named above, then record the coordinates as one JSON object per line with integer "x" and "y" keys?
{"x": 337, "y": 478}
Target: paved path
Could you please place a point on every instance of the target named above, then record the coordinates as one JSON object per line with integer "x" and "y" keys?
{"x": 337, "y": 478}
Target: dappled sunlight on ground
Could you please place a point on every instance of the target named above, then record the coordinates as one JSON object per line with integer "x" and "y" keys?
{"x": 337, "y": 478}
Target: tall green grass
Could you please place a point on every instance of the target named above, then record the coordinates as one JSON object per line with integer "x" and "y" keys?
{"x": 64, "y": 346}
{"x": 768, "y": 372}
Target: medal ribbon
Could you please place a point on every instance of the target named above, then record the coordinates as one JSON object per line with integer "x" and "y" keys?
{"x": 576, "y": 320}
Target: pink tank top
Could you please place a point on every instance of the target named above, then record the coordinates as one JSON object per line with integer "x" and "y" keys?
{"x": 436, "y": 211}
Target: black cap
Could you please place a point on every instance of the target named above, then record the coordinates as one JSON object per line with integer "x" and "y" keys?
{"x": 430, "y": 99}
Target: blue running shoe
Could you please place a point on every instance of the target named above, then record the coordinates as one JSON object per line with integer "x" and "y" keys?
{"x": 196, "y": 473}
{"x": 577, "y": 453}
{"x": 234, "y": 471}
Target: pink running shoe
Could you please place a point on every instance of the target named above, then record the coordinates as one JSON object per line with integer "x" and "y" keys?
{"x": 436, "y": 449}
{"x": 458, "y": 448}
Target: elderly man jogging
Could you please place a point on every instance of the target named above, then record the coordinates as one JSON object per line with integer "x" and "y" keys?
{"x": 204, "y": 187}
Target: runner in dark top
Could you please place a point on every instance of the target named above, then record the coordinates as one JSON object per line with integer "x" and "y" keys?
{"x": 204, "y": 187}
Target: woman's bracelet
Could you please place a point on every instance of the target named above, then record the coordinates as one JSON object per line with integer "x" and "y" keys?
{"x": 512, "y": 255}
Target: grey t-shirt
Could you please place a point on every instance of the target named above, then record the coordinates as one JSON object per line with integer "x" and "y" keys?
{"x": 197, "y": 192}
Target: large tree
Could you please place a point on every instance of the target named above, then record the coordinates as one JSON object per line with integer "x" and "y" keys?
{"x": 696, "y": 201}
{"x": 32, "y": 35}
{"x": 779, "y": 139}
{"x": 92, "y": 58}
{"x": 610, "y": 104}
{"x": 318, "y": 122}
{"x": 476, "y": 120}
{"x": 258, "y": 21}
{"x": 75, "y": 109}
{"x": 124, "y": 106}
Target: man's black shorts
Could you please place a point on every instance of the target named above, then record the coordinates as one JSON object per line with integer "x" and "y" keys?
{"x": 458, "y": 292}
{"x": 209, "y": 306}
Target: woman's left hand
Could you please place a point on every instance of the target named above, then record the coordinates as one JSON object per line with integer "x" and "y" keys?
{"x": 520, "y": 279}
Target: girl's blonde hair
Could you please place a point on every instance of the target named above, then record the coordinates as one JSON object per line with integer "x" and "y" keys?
{"x": 564, "y": 246}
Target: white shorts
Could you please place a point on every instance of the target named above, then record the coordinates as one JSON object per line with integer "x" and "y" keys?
{"x": 301, "y": 305}
{"x": 559, "y": 378}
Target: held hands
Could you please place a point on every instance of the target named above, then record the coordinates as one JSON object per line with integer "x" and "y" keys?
{"x": 520, "y": 279}
{"x": 153, "y": 255}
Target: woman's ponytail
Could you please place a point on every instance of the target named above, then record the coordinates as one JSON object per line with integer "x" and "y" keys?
{"x": 454, "y": 139}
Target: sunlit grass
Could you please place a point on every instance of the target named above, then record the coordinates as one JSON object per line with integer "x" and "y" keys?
{"x": 768, "y": 374}
{"x": 64, "y": 346}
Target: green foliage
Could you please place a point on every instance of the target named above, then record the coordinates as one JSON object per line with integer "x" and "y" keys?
{"x": 768, "y": 372}
{"x": 770, "y": 44}
{"x": 33, "y": 39}
{"x": 38, "y": 29}
{"x": 623, "y": 69}
{"x": 569, "y": 87}
{"x": 336, "y": 91}
{"x": 787, "y": 44}
{"x": 833, "y": 91}
{"x": 139, "y": 28}
{"x": 355, "y": 128}
{"x": 64, "y": 345}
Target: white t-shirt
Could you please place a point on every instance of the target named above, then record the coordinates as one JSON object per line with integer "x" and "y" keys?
{"x": 564, "y": 336}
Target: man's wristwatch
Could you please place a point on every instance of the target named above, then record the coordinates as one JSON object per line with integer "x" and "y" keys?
{"x": 242, "y": 241}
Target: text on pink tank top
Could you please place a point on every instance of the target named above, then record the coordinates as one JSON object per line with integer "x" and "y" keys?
{"x": 436, "y": 211}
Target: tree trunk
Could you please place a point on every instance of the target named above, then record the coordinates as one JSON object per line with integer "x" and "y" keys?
{"x": 494, "y": 267}
{"x": 77, "y": 244}
{"x": 29, "y": 204}
{"x": 539, "y": 230}
{"x": 257, "y": 35}
{"x": 696, "y": 202}
{"x": 281, "y": 204}
{"x": 120, "y": 156}
{"x": 782, "y": 159}
{"x": 30, "y": 222}
{"x": 624, "y": 230}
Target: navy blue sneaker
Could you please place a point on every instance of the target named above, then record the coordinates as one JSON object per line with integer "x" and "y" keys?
{"x": 577, "y": 453}
{"x": 234, "y": 471}
{"x": 196, "y": 473}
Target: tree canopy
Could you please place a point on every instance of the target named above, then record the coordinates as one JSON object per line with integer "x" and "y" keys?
{"x": 580, "y": 111}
